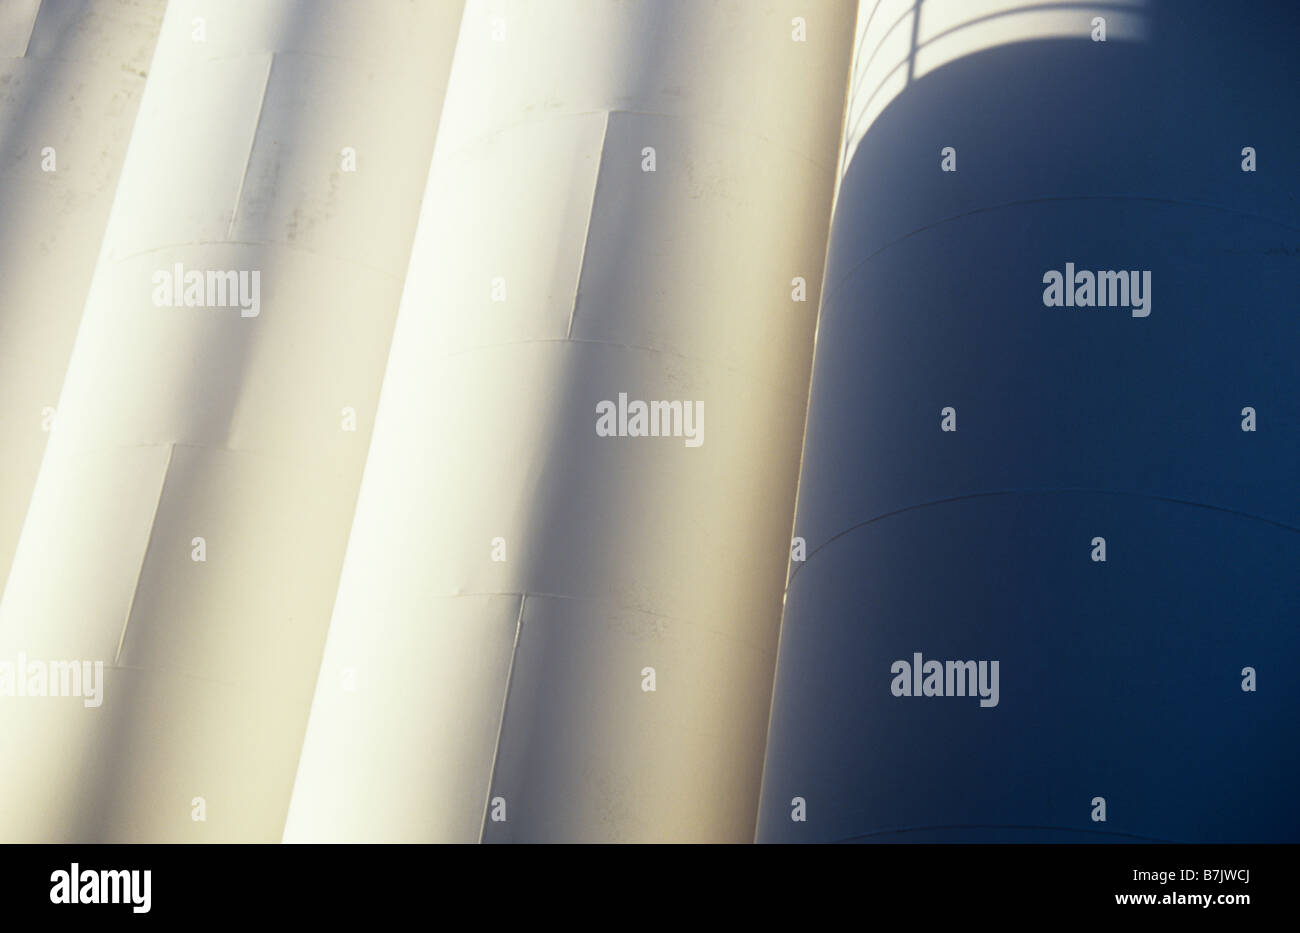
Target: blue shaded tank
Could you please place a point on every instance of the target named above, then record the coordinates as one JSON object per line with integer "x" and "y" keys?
{"x": 1123, "y": 688}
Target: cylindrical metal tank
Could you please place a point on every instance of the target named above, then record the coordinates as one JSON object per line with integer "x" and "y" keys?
{"x": 193, "y": 505}
{"x": 621, "y": 198}
{"x": 71, "y": 75}
{"x": 975, "y": 449}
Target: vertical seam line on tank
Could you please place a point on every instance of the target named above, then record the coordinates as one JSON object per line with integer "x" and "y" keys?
{"x": 27, "y": 46}
{"x": 591, "y": 212}
{"x": 144, "y": 557}
{"x": 252, "y": 144}
{"x": 501, "y": 725}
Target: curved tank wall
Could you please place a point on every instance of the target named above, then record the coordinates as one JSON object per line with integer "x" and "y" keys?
{"x": 71, "y": 76}
{"x": 193, "y": 504}
{"x": 512, "y": 575}
{"x": 1120, "y": 682}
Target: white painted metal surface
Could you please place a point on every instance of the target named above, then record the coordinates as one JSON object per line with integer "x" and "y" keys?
{"x": 71, "y": 75}
{"x": 456, "y": 688}
{"x": 177, "y": 423}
